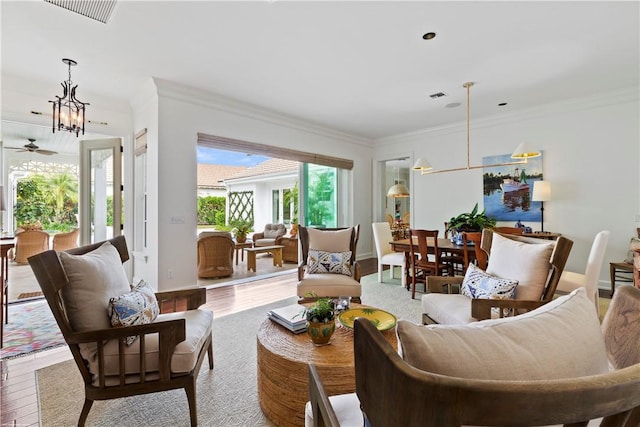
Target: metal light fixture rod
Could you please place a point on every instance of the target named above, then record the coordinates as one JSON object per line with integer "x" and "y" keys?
{"x": 467, "y": 86}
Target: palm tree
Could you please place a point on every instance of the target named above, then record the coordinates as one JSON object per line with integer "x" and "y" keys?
{"x": 63, "y": 188}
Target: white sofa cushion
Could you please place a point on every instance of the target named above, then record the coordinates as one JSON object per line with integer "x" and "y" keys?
{"x": 561, "y": 339}
{"x": 329, "y": 285}
{"x": 528, "y": 263}
{"x": 346, "y": 408}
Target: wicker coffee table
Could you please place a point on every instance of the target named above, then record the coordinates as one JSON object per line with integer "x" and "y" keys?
{"x": 283, "y": 359}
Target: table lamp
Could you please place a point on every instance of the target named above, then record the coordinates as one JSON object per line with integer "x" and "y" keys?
{"x": 541, "y": 193}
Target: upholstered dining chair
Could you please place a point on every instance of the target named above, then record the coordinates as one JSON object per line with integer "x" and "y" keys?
{"x": 426, "y": 259}
{"x": 328, "y": 267}
{"x": 522, "y": 274}
{"x": 394, "y": 390}
{"x": 121, "y": 345}
{"x": 570, "y": 280}
{"x": 386, "y": 255}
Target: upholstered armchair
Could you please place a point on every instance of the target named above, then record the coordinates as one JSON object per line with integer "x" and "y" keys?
{"x": 126, "y": 341}
{"x": 269, "y": 235}
{"x": 28, "y": 243}
{"x": 215, "y": 254}
{"x": 550, "y": 366}
{"x": 522, "y": 274}
{"x": 328, "y": 267}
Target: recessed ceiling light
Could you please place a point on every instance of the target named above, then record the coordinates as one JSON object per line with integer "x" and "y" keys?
{"x": 452, "y": 105}
{"x": 429, "y": 36}
{"x": 502, "y": 104}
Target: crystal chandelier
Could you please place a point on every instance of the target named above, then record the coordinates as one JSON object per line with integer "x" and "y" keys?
{"x": 68, "y": 111}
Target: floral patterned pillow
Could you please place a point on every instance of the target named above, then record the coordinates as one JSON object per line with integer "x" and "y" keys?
{"x": 137, "y": 307}
{"x": 478, "y": 284}
{"x": 329, "y": 262}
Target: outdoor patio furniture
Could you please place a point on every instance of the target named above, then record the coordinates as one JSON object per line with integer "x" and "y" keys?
{"x": 290, "y": 248}
{"x": 29, "y": 243}
{"x": 64, "y": 241}
{"x": 215, "y": 254}
{"x": 269, "y": 235}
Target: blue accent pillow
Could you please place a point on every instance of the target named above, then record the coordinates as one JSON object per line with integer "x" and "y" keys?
{"x": 478, "y": 284}
{"x": 329, "y": 262}
{"x": 137, "y": 307}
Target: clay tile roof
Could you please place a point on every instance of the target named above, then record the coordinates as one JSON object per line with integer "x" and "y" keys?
{"x": 267, "y": 167}
{"x": 210, "y": 176}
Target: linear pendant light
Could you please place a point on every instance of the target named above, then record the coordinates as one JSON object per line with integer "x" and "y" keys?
{"x": 522, "y": 153}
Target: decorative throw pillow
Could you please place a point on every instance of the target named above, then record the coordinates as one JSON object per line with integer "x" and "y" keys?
{"x": 478, "y": 284}
{"x": 542, "y": 344}
{"x": 329, "y": 262}
{"x": 526, "y": 262}
{"x": 137, "y": 307}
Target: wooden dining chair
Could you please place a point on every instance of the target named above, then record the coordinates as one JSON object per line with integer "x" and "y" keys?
{"x": 427, "y": 261}
{"x": 471, "y": 243}
{"x": 509, "y": 230}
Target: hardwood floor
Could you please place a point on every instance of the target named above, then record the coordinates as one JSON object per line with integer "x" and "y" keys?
{"x": 18, "y": 395}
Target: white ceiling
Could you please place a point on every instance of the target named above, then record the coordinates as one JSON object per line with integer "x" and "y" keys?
{"x": 359, "y": 67}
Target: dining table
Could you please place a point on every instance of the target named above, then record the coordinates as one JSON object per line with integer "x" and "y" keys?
{"x": 444, "y": 245}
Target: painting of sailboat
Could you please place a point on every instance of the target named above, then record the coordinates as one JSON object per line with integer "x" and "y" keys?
{"x": 507, "y": 189}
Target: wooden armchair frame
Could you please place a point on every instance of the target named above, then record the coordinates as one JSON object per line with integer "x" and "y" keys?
{"x": 393, "y": 393}
{"x": 481, "y": 308}
{"x": 52, "y": 278}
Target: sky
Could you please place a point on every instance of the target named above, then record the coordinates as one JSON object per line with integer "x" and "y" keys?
{"x": 231, "y": 158}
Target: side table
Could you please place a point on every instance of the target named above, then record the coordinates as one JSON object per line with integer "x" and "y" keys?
{"x": 240, "y": 248}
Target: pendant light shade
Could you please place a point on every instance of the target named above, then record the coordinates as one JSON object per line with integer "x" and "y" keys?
{"x": 422, "y": 165}
{"x": 523, "y": 152}
{"x": 398, "y": 190}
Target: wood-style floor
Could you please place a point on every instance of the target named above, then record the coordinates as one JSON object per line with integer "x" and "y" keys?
{"x": 18, "y": 396}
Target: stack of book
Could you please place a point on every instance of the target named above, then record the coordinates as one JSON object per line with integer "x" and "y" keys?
{"x": 291, "y": 317}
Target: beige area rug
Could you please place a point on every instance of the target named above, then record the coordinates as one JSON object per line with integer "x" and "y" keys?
{"x": 226, "y": 396}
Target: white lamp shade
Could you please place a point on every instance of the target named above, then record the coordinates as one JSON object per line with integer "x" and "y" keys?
{"x": 422, "y": 165}
{"x": 398, "y": 190}
{"x": 541, "y": 191}
{"x": 523, "y": 152}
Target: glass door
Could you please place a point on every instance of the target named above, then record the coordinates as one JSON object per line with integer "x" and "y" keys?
{"x": 320, "y": 201}
{"x": 100, "y": 197}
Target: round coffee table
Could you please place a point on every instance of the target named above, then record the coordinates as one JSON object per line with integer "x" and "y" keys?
{"x": 283, "y": 372}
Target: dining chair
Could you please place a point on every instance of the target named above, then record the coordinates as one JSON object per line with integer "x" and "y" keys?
{"x": 509, "y": 230}
{"x": 472, "y": 240}
{"x": 454, "y": 259}
{"x": 570, "y": 280}
{"x": 427, "y": 260}
{"x": 386, "y": 255}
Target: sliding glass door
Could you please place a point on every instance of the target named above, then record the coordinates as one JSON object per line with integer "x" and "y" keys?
{"x": 320, "y": 196}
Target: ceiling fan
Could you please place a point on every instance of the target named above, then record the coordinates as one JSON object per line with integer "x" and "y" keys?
{"x": 31, "y": 147}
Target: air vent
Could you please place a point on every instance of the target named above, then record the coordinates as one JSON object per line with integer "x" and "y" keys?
{"x": 437, "y": 95}
{"x": 100, "y": 10}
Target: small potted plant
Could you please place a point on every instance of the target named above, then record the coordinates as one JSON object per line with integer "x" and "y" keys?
{"x": 240, "y": 230}
{"x": 320, "y": 321}
{"x": 470, "y": 221}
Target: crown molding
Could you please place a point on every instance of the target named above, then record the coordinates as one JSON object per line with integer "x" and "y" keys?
{"x": 215, "y": 101}
{"x": 622, "y": 96}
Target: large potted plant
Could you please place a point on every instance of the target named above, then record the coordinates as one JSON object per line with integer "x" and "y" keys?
{"x": 469, "y": 221}
{"x": 320, "y": 321}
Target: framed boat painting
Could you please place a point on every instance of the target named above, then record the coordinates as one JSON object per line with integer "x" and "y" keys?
{"x": 508, "y": 189}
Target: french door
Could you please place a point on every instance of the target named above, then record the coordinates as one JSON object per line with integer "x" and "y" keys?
{"x": 100, "y": 197}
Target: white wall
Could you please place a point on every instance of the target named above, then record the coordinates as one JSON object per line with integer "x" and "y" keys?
{"x": 182, "y": 113}
{"x": 591, "y": 152}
